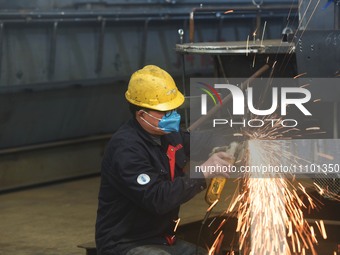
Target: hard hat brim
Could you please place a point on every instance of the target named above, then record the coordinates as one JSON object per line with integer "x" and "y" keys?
{"x": 167, "y": 106}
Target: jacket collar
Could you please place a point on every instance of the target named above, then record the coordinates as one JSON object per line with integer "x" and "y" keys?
{"x": 145, "y": 135}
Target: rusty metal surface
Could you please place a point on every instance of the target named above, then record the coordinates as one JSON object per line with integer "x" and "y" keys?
{"x": 237, "y": 47}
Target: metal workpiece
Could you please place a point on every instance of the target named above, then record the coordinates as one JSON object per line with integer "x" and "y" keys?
{"x": 237, "y": 47}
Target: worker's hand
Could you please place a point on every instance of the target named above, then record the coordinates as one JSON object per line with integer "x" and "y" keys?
{"x": 217, "y": 165}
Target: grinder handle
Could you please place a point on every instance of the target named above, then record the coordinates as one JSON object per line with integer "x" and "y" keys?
{"x": 217, "y": 184}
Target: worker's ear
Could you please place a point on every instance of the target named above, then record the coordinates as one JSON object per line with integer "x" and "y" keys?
{"x": 140, "y": 113}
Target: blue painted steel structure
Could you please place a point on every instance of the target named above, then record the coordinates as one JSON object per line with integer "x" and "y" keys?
{"x": 65, "y": 65}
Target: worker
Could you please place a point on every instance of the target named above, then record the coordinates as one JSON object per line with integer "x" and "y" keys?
{"x": 142, "y": 179}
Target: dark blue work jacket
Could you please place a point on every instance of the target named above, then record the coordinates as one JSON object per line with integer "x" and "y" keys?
{"x": 138, "y": 201}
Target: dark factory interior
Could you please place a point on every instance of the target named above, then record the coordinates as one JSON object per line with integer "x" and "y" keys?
{"x": 66, "y": 68}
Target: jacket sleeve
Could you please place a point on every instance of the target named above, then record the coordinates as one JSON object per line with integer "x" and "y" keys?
{"x": 154, "y": 193}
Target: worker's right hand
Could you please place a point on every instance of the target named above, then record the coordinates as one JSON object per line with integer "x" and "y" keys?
{"x": 217, "y": 162}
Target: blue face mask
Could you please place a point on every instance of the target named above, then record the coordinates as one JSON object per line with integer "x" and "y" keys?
{"x": 168, "y": 123}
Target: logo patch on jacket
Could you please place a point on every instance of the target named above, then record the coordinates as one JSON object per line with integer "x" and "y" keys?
{"x": 143, "y": 179}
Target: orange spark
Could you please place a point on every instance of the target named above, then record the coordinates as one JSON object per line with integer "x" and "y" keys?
{"x": 237, "y": 134}
{"x": 220, "y": 226}
{"x": 323, "y": 230}
{"x": 299, "y": 75}
{"x": 327, "y": 156}
{"x": 212, "y": 205}
{"x": 306, "y": 85}
{"x": 177, "y": 223}
{"x": 312, "y": 128}
{"x": 229, "y": 11}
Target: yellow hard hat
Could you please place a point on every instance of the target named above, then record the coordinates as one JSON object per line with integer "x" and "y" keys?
{"x": 153, "y": 88}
